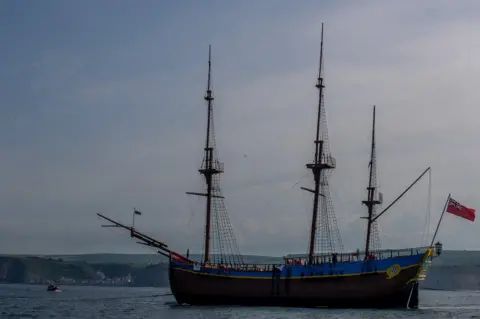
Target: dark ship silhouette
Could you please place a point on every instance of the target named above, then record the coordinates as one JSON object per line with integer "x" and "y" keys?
{"x": 325, "y": 276}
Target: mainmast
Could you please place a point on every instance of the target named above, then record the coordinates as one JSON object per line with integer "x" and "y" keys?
{"x": 322, "y": 161}
{"x": 372, "y": 239}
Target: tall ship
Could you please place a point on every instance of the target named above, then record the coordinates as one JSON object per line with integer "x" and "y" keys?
{"x": 325, "y": 276}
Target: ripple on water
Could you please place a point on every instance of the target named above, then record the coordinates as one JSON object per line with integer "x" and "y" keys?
{"x": 23, "y": 301}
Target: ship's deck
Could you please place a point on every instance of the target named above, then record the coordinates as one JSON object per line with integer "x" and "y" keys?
{"x": 383, "y": 258}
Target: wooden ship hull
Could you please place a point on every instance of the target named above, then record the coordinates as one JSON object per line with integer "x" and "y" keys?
{"x": 387, "y": 283}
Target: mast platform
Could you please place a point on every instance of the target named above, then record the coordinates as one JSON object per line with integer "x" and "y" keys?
{"x": 371, "y": 202}
{"x": 374, "y": 201}
{"x": 217, "y": 168}
{"x": 328, "y": 162}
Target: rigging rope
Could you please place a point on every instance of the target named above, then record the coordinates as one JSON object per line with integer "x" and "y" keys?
{"x": 121, "y": 233}
{"x": 192, "y": 212}
{"x": 426, "y": 228}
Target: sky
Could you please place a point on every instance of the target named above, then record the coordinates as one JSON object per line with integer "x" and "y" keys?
{"x": 102, "y": 110}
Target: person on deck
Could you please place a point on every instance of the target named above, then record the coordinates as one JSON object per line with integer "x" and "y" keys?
{"x": 371, "y": 256}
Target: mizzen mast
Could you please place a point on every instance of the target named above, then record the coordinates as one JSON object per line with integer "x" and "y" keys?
{"x": 322, "y": 163}
{"x": 372, "y": 241}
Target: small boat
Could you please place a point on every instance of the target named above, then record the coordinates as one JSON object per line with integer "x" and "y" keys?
{"x": 53, "y": 288}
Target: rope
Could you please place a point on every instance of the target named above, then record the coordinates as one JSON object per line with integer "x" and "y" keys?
{"x": 426, "y": 227}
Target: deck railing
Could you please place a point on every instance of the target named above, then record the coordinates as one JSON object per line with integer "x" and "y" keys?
{"x": 320, "y": 259}
{"x": 356, "y": 256}
{"x": 245, "y": 267}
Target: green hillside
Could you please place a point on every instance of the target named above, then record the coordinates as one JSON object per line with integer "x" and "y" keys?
{"x": 41, "y": 270}
{"x": 132, "y": 259}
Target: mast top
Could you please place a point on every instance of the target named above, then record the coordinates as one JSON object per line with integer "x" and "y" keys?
{"x": 208, "y": 94}
{"x": 320, "y": 75}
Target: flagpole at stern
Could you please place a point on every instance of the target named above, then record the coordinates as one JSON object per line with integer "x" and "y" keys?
{"x": 440, "y": 221}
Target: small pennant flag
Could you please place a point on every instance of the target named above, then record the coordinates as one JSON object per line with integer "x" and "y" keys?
{"x": 137, "y": 212}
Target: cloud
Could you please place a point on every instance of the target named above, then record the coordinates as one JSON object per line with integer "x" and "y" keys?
{"x": 113, "y": 117}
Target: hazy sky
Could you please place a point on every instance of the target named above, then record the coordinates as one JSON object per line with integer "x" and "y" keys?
{"x": 101, "y": 110}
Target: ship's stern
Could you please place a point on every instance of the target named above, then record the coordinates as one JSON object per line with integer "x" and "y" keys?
{"x": 413, "y": 284}
{"x": 426, "y": 264}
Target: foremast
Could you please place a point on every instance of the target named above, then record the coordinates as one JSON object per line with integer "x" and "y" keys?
{"x": 329, "y": 240}
{"x": 208, "y": 169}
{"x": 374, "y": 198}
{"x": 219, "y": 241}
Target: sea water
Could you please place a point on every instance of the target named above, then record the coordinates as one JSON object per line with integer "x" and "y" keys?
{"x": 29, "y": 301}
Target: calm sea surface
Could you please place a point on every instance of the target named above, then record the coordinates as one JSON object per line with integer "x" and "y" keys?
{"x": 25, "y": 301}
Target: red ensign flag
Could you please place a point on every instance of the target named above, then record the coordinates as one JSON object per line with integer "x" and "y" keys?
{"x": 456, "y": 208}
